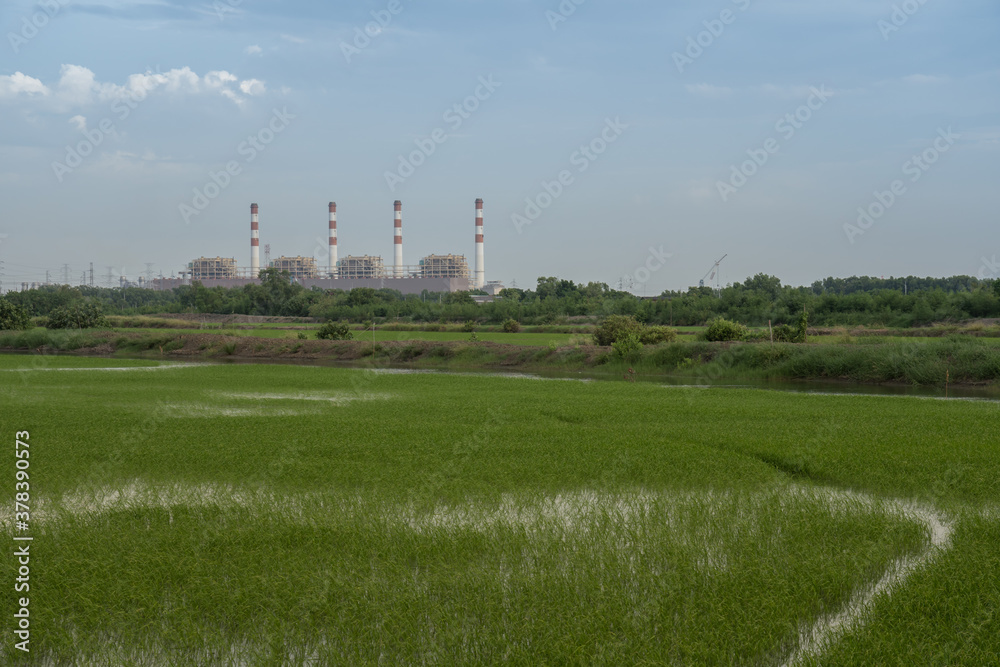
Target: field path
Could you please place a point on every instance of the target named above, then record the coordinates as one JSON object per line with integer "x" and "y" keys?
{"x": 828, "y": 629}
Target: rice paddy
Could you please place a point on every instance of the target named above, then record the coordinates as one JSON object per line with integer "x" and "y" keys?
{"x": 265, "y": 514}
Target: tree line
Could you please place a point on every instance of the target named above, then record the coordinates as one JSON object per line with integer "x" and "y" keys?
{"x": 892, "y": 302}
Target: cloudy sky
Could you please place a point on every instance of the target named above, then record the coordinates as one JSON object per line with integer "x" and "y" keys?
{"x": 630, "y": 142}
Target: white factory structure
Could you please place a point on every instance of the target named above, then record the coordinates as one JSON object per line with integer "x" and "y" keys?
{"x": 434, "y": 273}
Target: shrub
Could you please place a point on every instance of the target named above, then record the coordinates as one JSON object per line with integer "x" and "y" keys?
{"x": 80, "y": 316}
{"x": 335, "y": 331}
{"x": 469, "y": 327}
{"x": 302, "y": 336}
{"x": 786, "y": 334}
{"x": 511, "y": 326}
{"x": 656, "y": 335}
{"x": 616, "y": 327}
{"x": 628, "y": 348}
{"x": 13, "y": 316}
{"x": 721, "y": 329}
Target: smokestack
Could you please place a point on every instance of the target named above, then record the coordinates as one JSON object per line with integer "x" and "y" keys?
{"x": 333, "y": 239}
{"x": 254, "y": 242}
{"x": 398, "y": 239}
{"x": 480, "y": 278}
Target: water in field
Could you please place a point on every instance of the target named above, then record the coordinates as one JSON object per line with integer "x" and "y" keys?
{"x": 985, "y": 393}
{"x": 791, "y": 386}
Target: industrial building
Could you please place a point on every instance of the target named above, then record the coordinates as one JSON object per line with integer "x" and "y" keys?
{"x": 212, "y": 268}
{"x": 444, "y": 266}
{"x": 434, "y": 273}
{"x": 360, "y": 267}
{"x": 300, "y": 268}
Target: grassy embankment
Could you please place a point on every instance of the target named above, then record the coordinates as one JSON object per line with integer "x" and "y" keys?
{"x": 931, "y": 362}
{"x": 196, "y": 515}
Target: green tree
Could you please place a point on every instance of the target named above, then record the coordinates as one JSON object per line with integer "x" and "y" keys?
{"x": 615, "y": 328}
{"x": 13, "y": 316}
{"x": 79, "y": 316}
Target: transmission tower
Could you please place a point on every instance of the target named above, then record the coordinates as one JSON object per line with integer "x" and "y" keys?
{"x": 149, "y": 271}
{"x": 109, "y": 279}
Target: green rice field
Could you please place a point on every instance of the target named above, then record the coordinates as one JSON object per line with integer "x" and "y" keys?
{"x": 200, "y": 514}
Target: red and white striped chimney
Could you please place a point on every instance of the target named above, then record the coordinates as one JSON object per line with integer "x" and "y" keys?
{"x": 333, "y": 239}
{"x": 398, "y": 238}
{"x": 254, "y": 241}
{"x": 480, "y": 278}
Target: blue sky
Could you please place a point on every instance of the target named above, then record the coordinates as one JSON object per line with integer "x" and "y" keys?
{"x": 682, "y": 132}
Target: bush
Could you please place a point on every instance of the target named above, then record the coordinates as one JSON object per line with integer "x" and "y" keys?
{"x": 786, "y": 334}
{"x": 616, "y": 327}
{"x": 656, "y": 335}
{"x": 13, "y": 316}
{"x": 335, "y": 331}
{"x": 469, "y": 327}
{"x": 511, "y": 326}
{"x": 628, "y": 348}
{"x": 81, "y": 316}
{"x": 720, "y": 329}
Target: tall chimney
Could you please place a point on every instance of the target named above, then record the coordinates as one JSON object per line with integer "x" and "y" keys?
{"x": 254, "y": 241}
{"x": 333, "y": 239}
{"x": 480, "y": 278}
{"x": 398, "y": 239}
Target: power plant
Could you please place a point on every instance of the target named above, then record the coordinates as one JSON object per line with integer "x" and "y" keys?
{"x": 434, "y": 273}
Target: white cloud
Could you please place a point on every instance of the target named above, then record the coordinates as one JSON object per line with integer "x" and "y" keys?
{"x": 254, "y": 50}
{"x": 708, "y": 90}
{"x": 78, "y": 86}
{"x": 253, "y": 87}
{"x": 219, "y": 79}
{"x": 293, "y": 39}
{"x": 79, "y": 121}
{"x": 17, "y": 83}
{"x": 924, "y": 79}
{"x": 786, "y": 91}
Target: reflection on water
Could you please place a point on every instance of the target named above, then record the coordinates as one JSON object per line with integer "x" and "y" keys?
{"x": 830, "y": 388}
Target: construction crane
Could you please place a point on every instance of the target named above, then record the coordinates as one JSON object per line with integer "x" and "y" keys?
{"x": 713, "y": 273}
